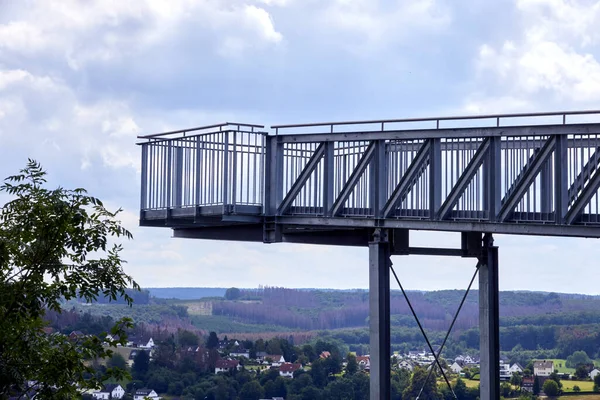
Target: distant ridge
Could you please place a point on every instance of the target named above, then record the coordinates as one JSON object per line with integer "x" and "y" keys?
{"x": 186, "y": 293}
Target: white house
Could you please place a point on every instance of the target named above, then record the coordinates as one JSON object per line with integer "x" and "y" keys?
{"x": 227, "y": 365}
{"x": 110, "y": 391}
{"x": 287, "y": 369}
{"x": 406, "y": 364}
{"x": 276, "y": 359}
{"x": 516, "y": 367}
{"x": 456, "y": 368}
{"x": 144, "y": 393}
{"x": 146, "y": 344}
{"x": 543, "y": 368}
{"x": 594, "y": 372}
{"x": 364, "y": 362}
{"x": 505, "y": 373}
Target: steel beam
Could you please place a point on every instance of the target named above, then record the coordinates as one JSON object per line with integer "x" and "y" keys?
{"x": 489, "y": 321}
{"x": 525, "y": 178}
{"x": 464, "y": 179}
{"x": 415, "y": 169}
{"x": 360, "y": 168}
{"x": 308, "y": 169}
{"x": 379, "y": 315}
{"x": 419, "y": 134}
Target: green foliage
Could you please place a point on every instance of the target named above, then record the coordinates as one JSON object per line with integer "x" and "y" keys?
{"x": 117, "y": 361}
{"x": 352, "y": 364}
{"x": 233, "y": 293}
{"x": 578, "y": 358}
{"x": 597, "y": 383}
{"x": 581, "y": 372}
{"x": 536, "y": 386}
{"x": 251, "y": 391}
{"x": 54, "y": 245}
{"x": 418, "y": 381}
{"x": 551, "y": 388}
{"x": 576, "y": 389}
{"x": 213, "y": 341}
{"x": 141, "y": 363}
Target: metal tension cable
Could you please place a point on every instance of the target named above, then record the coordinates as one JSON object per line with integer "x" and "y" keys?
{"x": 436, "y": 357}
{"x": 450, "y": 329}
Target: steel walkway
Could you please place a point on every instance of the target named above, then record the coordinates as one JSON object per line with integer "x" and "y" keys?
{"x": 369, "y": 183}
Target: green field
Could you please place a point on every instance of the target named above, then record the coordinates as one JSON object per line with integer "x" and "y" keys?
{"x": 582, "y": 397}
{"x": 585, "y": 386}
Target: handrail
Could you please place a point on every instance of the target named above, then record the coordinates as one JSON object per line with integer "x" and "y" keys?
{"x": 438, "y": 119}
{"x": 200, "y": 128}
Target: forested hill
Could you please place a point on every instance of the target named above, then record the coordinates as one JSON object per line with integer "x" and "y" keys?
{"x": 331, "y": 309}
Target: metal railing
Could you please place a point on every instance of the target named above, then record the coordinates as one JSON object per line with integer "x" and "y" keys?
{"x": 494, "y": 120}
{"x": 224, "y": 167}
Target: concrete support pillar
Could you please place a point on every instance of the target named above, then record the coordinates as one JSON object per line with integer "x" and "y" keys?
{"x": 379, "y": 315}
{"x": 489, "y": 338}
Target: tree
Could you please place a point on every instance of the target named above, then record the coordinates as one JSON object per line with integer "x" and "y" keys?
{"x": 141, "y": 363}
{"x": 576, "y": 389}
{"x": 117, "y": 361}
{"x": 578, "y": 358}
{"x": 251, "y": 391}
{"x": 418, "y": 381}
{"x": 460, "y": 389}
{"x": 551, "y": 388}
{"x": 597, "y": 383}
{"x": 213, "y": 340}
{"x": 536, "y": 386}
{"x": 352, "y": 365}
{"x": 187, "y": 338}
{"x": 55, "y": 245}
{"x": 581, "y": 372}
{"x": 233, "y": 293}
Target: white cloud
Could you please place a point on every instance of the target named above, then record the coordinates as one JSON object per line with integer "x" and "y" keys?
{"x": 553, "y": 61}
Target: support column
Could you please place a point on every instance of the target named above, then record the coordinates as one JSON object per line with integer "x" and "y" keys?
{"x": 379, "y": 315}
{"x": 489, "y": 338}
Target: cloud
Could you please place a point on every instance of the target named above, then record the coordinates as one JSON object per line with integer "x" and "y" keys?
{"x": 551, "y": 62}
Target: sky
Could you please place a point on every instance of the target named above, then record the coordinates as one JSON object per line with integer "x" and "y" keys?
{"x": 79, "y": 80}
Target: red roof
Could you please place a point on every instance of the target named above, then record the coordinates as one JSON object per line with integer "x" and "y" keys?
{"x": 325, "y": 354}
{"x": 226, "y": 364}
{"x": 289, "y": 367}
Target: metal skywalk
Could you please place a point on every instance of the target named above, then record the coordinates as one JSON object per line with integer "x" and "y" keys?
{"x": 369, "y": 183}
{"x": 516, "y": 179}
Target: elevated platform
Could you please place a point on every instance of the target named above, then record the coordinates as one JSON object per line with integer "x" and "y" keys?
{"x": 492, "y": 173}
{"x": 369, "y": 183}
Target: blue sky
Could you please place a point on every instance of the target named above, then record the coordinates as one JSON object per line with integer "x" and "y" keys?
{"x": 79, "y": 80}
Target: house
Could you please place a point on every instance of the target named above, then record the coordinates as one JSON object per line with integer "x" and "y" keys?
{"x": 543, "y": 368}
{"x": 406, "y": 364}
{"x": 240, "y": 352}
{"x": 144, "y": 393}
{"x": 110, "y": 391}
{"x": 276, "y": 359}
{"x": 146, "y": 343}
{"x": 287, "y": 369}
{"x": 516, "y": 368}
{"x": 505, "y": 373}
{"x": 456, "y": 368}
{"x": 527, "y": 384}
{"x": 364, "y": 362}
{"x": 227, "y": 366}
{"x": 75, "y": 335}
{"x": 594, "y": 372}
{"x": 325, "y": 354}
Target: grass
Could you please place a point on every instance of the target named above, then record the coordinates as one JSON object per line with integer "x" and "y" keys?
{"x": 581, "y": 397}
{"x": 585, "y": 386}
